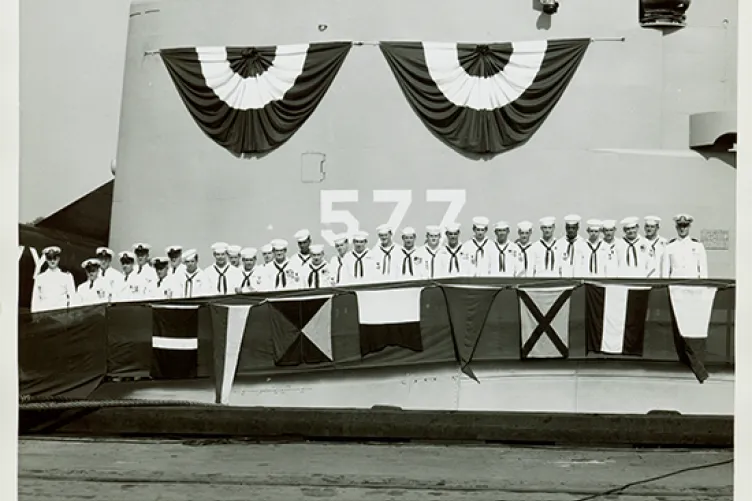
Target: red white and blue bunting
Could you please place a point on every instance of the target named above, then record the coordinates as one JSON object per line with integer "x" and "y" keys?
{"x": 484, "y": 99}
{"x": 253, "y": 99}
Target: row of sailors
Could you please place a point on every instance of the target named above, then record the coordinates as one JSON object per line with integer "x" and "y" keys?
{"x": 178, "y": 275}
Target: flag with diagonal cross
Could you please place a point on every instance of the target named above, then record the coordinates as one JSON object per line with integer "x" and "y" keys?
{"x": 544, "y": 321}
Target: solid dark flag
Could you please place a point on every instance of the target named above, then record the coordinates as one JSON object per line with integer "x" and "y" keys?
{"x": 544, "y": 322}
{"x": 691, "y": 308}
{"x": 174, "y": 341}
{"x": 253, "y": 99}
{"x": 301, "y": 329}
{"x": 615, "y": 318}
{"x": 389, "y": 318}
{"x": 468, "y": 309}
{"x": 484, "y": 98}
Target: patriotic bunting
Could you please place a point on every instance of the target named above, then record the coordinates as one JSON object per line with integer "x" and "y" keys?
{"x": 484, "y": 99}
{"x": 544, "y": 322}
{"x": 615, "y": 318}
{"x": 301, "y": 329}
{"x": 229, "y": 322}
{"x": 174, "y": 341}
{"x": 389, "y": 317}
{"x": 253, "y": 99}
{"x": 691, "y": 307}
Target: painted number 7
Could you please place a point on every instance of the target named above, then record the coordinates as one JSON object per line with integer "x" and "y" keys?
{"x": 403, "y": 199}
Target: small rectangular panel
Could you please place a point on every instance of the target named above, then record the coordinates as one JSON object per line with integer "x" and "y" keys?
{"x": 715, "y": 239}
{"x": 312, "y": 167}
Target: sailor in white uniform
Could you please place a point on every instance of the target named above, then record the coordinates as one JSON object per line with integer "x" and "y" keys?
{"x": 359, "y": 265}
{"x": 222, "y": 277}
{"x": 546, "y": 254}
{"x": 599, "y": 255}
{"x": 132, "y": 286}
{"x": 233, "y": 255}
{"x": 316, "y": 273}
{"x": 657, "y": 245}
{"x": 301, "y": 258}
{"x": 479, "y": 247}
{"x": 632, "y": 251}
{"x": 504, "y": 257}
{"x": 253, "y": 275}
{"x": 167, "y": 285}
{"x": 267, "y": 254}
{"x": 54, "y": 288}
{"x": 429, "y": 253}
{"x": 109, "y": 274}
{"x": 685, "y": 257}
{"x": 575, "y": 252}
{"x": 95, "y": 290}
{"x": 280, "y": 274}
{"x": 143, "y": 266}
{"x": 175, "y": 255}
{"x": 608, "y": 230}
{"x": 453, "y": 259}
{"x": 524, "y": 243}
{"x": 336, "y": 265}
{"x": 387, "y": 254}
{"x": 410, "y": 265}
{"x": 193, "y": 281}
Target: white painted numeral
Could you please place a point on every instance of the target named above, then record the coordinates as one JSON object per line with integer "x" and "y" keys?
{"x": 38, "y": 261}
{"x": 456, "y": 199}
{"x": 329, "y": 215}
{"x": 20, "y": 251}
{"x": 403, "y": 199}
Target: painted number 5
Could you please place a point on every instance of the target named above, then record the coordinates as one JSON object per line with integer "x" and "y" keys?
{"x": 329, "y": 215}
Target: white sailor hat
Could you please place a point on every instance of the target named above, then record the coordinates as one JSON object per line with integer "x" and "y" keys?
{"x": 248, "y": 253}
{"x": 408, "y": 231}
{"x": 525, "y": 226}
{"x": 317, "y": 249}
{"x": 383, "y": 229}
{"x": 279, "y": 244}
{"x": 453, "y": 227}
{"x": 90, "y": 263}
{"x": 190, "y": 254}
{"x": 652, "y": 220}
{"x": 608, "y": 224}
{"x": 220, "y": 247}
{"x": 141, "y": 248}
{"x": 233, "y": 250}
{"x": 302, "y": 235}
{"x": 501, "y": 225}
{"x": 683, "y": 219}
{"x": 104, "y": 251}
{"x": 360, "y": 235}
{"x": 547, "y": 221}
{"x": 160, "y": 262}
{"x": 127, "y": 255}
{"x": 266, "y": 249}
{"x": 480, "y": 222}
{"x": 572, "y": 219}
{"x": 173, "y": 249}
{"x": 595, "y": 224}
{"x": 340, "y": 239}
{"x": 52, "y": 251}
{"x": 629, "y": 222}
{"x": 433, "y": 229}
